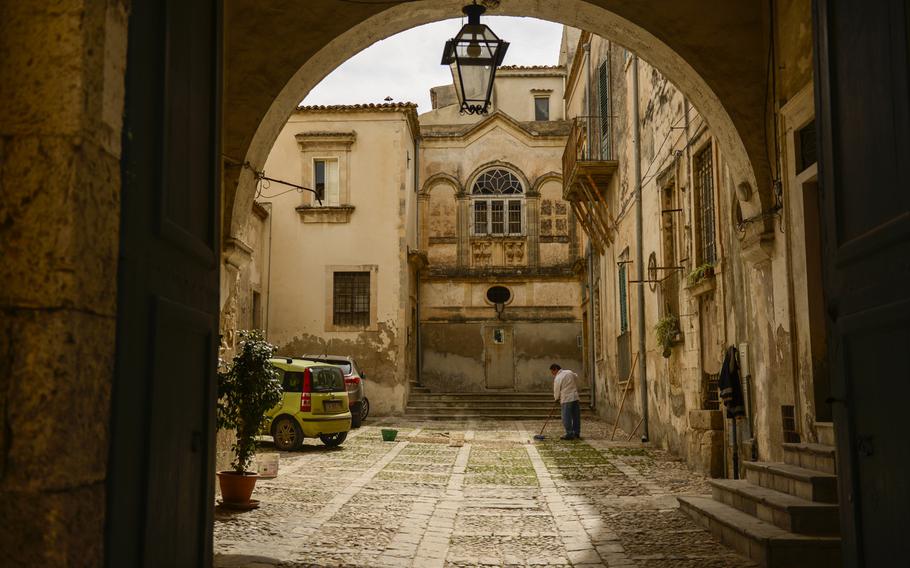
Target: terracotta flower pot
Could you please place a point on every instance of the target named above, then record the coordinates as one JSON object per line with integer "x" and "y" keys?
{"x": 237, "y": 487}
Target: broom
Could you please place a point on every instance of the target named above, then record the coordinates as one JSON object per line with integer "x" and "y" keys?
{"x": 547, "y": 421}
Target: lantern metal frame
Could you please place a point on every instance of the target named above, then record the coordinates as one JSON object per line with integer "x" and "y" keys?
{"x": 490, "y": 52}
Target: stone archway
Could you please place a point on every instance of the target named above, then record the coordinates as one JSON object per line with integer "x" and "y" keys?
{"x": 723, "y": 74}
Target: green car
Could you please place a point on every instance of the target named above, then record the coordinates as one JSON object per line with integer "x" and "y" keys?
{"x": 314, "y": 404}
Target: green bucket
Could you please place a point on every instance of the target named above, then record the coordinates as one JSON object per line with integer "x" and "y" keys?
{"x": 388, "y": 434}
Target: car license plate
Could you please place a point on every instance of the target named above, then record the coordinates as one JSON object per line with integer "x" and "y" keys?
{"x": 331, "y": 405}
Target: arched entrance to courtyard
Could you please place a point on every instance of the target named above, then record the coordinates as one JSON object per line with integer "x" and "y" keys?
{"x": 723, "y": 73}
{"x": 175, "y": 221}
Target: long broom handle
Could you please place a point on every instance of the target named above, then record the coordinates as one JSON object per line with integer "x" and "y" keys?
{"x": 547, "y": 421}
{"x": 625, "y": 391}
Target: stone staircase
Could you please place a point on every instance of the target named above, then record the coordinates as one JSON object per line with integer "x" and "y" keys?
{"x": 782, "y": 514}
{"x": 508, "y": 405}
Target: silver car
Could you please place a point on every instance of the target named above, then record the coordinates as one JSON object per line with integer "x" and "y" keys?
{"x": 353, "y": 382}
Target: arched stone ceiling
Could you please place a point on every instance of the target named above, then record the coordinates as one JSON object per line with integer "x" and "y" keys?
{"x": 715, "y": 51}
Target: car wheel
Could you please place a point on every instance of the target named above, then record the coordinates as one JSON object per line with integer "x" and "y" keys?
{"x": 332, "y": 440}
{"x": 357, "y": 415}
{"x": 287, "y": 434}
{"x": 364, "y": 409}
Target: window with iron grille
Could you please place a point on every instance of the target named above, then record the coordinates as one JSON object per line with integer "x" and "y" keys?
{"x": 498, "y": 203}
{"x": 710, "y": 392}
{"x": 351, "y": 299}
{"x": 703, "y": 165}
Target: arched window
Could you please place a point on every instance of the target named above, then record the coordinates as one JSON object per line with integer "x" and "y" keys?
{"x": 498, "y": 203}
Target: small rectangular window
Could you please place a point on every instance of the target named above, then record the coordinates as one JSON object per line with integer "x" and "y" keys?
{"x": 480, "y": 217}
{"x": 541, "y": 108}
{"x": 497, "y": 215}
{"x": 351, "y": 299}
{"x": 292, "y": 381}
{"x": 325, "y": 180}
{"x": 514, "y": 217}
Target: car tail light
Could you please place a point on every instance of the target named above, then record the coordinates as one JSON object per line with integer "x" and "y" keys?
{"x": 351, "y": 381}
{"x": 306, "y": 401}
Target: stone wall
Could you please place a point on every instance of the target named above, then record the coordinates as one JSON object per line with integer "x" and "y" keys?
{"x": 62, "y": 85}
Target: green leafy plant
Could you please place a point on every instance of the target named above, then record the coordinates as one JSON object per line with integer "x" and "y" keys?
{"x": 246, "y": 391}
{"x": 700, "y": 273}
{"x": 666, "y": 329}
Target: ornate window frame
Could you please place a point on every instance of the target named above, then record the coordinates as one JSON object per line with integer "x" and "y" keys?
{"x": 505, "y": 192}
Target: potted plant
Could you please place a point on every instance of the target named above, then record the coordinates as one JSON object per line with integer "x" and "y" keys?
{"x": 700, "y": 273}
{"x": 666, "y": 330}
{"x": 246, "y": 390}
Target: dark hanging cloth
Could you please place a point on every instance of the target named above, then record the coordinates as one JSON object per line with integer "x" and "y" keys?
{"x": 731, "y": 390}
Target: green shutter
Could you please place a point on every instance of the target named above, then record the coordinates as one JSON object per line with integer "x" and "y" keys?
{"x": 623, "y": 308}
{"x": 603, "y": 91}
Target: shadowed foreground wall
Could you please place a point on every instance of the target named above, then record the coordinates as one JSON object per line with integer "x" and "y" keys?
{"x": 61, "y": 82}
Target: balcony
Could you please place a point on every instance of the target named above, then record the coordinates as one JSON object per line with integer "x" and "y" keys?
{"x": 588, "y": 165}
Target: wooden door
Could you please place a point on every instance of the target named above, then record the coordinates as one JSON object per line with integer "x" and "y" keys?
{"x": 864, "y": 135}
{"x": 499, "y": 356}
{"x": 159, "y": 488}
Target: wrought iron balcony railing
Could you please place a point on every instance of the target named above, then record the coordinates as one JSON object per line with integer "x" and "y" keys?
{"x": 590, "y": 140}
{"x": 588, "y": 166}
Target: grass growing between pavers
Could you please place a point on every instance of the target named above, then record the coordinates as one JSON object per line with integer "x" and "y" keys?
{"x": 575, "y": 461}
{"x": 508, "y": 466}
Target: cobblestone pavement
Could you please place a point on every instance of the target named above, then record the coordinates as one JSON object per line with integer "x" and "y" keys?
{"x": 472, "y": 494}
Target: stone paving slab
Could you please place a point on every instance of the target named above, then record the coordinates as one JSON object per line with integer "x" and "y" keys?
{"x": 457, "y": 494}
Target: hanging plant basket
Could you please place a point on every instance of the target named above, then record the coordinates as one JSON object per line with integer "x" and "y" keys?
{"x": 667, "y": 333}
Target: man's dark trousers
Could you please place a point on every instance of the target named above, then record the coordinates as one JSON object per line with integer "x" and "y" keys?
{"x": 571, "y": 419}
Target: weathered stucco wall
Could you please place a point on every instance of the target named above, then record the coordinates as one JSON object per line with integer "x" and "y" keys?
{"x": 465, "y": 345}
{"x": 756, "y": 297}
{"x": 369, "y": 231}
{"x": 454, "y": 354}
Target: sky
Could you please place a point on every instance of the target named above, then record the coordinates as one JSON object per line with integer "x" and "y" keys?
{"x": 406, "y": 65}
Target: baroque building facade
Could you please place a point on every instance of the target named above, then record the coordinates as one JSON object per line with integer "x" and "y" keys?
{"x": 440, "y": 252}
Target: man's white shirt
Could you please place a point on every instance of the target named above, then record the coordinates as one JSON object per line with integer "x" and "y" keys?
{"x": 565, "y": 387}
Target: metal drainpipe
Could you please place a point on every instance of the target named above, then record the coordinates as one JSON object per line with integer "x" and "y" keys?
{"x": 592, "y": 326}
{"x": 587, "y": 48}
{"x": 639, "y": 263}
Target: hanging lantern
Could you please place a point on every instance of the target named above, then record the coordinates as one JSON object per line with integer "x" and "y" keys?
{"x": 473, "y": 55}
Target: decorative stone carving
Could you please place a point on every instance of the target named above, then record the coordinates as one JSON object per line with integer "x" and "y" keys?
{"x": 481, "y": 253}
{"x": 514, "y": 253}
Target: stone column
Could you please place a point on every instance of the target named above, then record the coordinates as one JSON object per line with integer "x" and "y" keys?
{"x": 533, "y": 229}
{"x": 462, "y": 218}
{"x": 62, "y": 86}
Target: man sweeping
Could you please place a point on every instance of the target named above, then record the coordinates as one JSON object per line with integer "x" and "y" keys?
{"x": 565, "y": 390}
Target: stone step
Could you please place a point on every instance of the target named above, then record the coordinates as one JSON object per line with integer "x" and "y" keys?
{"x": 479, "y": 417}
{"x": 498, "y": 394}
{"x": 764, "y": 543}
{"x": 801, "y": 482}
{"x": 504, "y": 403}
{"x": 811, "y": 456}
{"x": 825, "y": 431}
{"x": 780, "y": 509}
{"x": 502, "y": 411}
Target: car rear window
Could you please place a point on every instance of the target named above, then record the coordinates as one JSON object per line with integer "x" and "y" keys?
{"x": 345, "y": 366}
{"x": 327, "y": 379}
